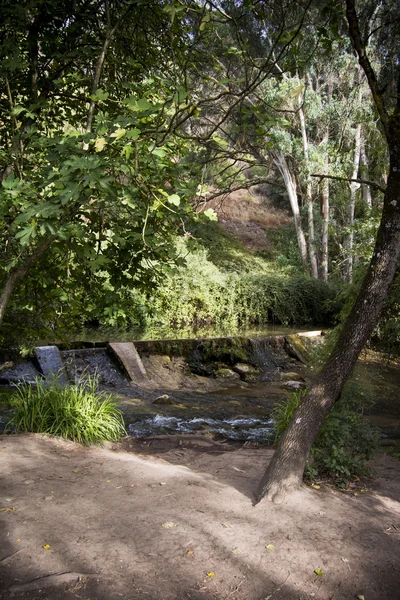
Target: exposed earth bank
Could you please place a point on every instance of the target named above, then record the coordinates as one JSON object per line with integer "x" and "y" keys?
{"x": 173, "y": 518}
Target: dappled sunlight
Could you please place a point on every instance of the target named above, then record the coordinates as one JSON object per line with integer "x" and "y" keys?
{"x": 188, "y": 528}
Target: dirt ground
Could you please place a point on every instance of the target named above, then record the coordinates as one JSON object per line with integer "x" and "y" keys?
{"x": 173, "y": 518}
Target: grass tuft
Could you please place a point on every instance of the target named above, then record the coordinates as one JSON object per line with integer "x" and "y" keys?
{"x": 77, "y": 412}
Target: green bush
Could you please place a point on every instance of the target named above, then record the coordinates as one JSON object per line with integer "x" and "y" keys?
{"x": 345, "y": 442}
{"x": 77, "y": 412}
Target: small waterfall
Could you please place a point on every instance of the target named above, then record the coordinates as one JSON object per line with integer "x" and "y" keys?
{"x": 268, "y": 354}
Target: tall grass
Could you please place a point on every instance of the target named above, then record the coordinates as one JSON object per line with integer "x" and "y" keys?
{"x": 77, "y": 412}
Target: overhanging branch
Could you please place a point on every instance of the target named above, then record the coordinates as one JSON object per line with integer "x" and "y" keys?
{"x": 348, "y": 179}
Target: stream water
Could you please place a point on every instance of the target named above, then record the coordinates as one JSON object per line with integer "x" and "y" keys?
{"x": 193, "y": 393}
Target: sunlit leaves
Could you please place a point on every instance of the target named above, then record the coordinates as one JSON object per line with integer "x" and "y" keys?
{"x": 174, "y": 199}
{"x": 100, "y": 143}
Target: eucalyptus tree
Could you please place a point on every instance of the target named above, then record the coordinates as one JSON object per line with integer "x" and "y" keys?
{"x": 364, "y": 22}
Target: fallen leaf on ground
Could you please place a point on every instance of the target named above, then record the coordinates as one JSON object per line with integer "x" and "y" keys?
{"x": 360, "y": 597}
{"x": 46, "y": 547}
{"x": 168, "y": 525}
{"x": 211, "y": 574}
{"x": 236, "y": 551}
{"x": 163, "y": 483}
{"x": 316, "y": 487}
{"x": 18, "y": 540}
{"x": 226, "y": 525}
{"x": 8, "y": 509}
{"x": 270, "y": 547}
{"x": 318, "y": 572}
{"x": 75, "y": 470}
{"x": 190, "y": 553}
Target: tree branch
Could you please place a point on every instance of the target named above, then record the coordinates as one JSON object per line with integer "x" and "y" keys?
{"x": 347, "y": 179}
{"x": 360, "y": 48}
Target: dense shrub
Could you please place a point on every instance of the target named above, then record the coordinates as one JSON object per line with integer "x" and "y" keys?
{"x": 77, "y": 412}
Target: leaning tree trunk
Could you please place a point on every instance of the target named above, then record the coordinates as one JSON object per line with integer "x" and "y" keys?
{"x": 290, "y": 184}
{"x": 286, "y": 468}
{"x": 19, "y": 272}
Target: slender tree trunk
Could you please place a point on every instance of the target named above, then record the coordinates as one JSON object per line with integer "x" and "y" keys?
{"x": 364, "y": 174}
{"x": 325, "y": 228}
{"x": 354, "y": 186}
{"x": 19, "y": 272}
{"x": 311, "y": 233}
{"x": 290, "y": 184}
{"x": 286, "y": 468}
{"x": 309, "y": 198}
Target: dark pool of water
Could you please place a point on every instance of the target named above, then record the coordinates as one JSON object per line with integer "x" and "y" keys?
{"x": 114, "y": 334}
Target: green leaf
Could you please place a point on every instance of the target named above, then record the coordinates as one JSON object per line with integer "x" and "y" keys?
{"x": 161, "y": 152}
{"x": 127, "y": 151}
{"x": 25, "y": 234}
{"x": 318, "y": 572}
{"x": 204, "y": 21}
{"x": 174, "y": 199}
{"x": 99, "y": 95}
{"x": 119, "y": 133}
{"x": 133, "y": 134}
{"x": 17, "y": 110}
{"x": 211, "y": 214}
{"x": 100, "y": 143}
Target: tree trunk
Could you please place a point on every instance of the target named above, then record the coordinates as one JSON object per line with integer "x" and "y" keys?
{"x": 325, "y": 229}
{"x": 354, "y": 186}
{"x": 309, "y": 198}
{"x": 364, "y": 174}
{"x": 311, "y": 233}
{"x": 19, "y": 272}
{"x": 286, "y": 468}
{"x": 290, "y": 184}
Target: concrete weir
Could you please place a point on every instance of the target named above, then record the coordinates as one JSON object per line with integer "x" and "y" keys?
{"x": 128, "y": 357}
{"x": 51, "y": 363}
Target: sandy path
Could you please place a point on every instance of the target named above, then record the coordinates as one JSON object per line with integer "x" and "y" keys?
{"x": 102, "y": 510}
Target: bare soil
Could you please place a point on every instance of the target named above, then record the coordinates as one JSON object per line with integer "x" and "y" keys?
{"x": 173, "y": 518}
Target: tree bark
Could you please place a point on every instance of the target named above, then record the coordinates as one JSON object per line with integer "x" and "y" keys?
{"x": 290, "y": 184}
{"x": 309, "y": 198}
{"x": 365, "y": 189}
{"x": 19, "y": 272}
{"x": 286, "y": 468}
{"x": 325, "y": 228}
{"x": 285, "y": 471}
{"x": 354, "y": 186}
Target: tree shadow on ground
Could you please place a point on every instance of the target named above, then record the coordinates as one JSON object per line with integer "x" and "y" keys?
{"x": 103, "y": 512}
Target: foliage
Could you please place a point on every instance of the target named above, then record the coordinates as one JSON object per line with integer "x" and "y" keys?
{"x": 77, "y": 412}
{"x": 284, "y": 411}
{"x": 346, "y": 440}
{"x": 219, "y": 283}
{"x": 201, "y": 293}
